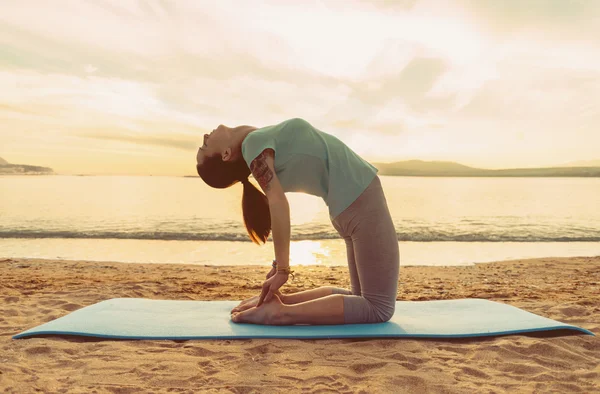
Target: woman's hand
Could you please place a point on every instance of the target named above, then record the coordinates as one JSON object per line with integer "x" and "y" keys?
{"x": 272, "y": 272}
{"x": 271, "y": 286}
{"x": 252, "y": 302}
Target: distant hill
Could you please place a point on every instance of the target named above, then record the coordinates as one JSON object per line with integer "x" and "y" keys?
{"x": 22, "y": 169}
{"x": 452, "y": 169}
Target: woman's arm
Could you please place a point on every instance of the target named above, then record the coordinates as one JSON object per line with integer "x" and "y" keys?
{"x": 280, "y": 228}
{"x": 263, "y": 170}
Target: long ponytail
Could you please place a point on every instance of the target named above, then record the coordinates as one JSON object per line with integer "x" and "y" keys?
{"x": 257, "y": 216}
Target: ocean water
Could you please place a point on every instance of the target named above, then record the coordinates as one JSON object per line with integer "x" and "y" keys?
{"x": 439, "y": 221}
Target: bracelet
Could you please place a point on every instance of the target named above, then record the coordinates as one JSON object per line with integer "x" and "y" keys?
{"x": 286, "y": 270}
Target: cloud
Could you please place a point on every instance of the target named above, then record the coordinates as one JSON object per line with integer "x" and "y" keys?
{"x": 406, "y": 77}
{"x": 386, "y": 5}
{"x": 537, "y": 12}
{"x": 172, "y": 140}
{"x": 90, "y": 69}
{"x": 8, "y": 110}
{"x": 393, "y": 103}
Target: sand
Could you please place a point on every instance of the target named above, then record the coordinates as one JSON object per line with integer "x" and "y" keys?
{"x": 36, "y": 291}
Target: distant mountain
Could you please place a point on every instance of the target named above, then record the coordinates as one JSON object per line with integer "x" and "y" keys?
{"x": 452, "y": 169}
{"x": 22, "y": 169}
{"x": 583, "y": 163}
{"x": 424, "y": 166}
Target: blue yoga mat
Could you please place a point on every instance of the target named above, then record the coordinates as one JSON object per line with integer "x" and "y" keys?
{"x": 138, "y": 318}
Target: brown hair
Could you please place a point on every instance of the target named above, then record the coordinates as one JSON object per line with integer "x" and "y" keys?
{"x": 255, "y": 206}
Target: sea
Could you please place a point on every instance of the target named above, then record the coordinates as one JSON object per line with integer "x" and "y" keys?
{"x": 440, "y": 221}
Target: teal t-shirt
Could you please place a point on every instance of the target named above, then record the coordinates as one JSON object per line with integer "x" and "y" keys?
{"x": 308, "y": 160}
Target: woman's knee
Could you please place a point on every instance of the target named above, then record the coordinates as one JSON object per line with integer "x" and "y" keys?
{"x": 386, "y": 314}
{"x": 383, "y": 312}
{"x": 361, "y": 309}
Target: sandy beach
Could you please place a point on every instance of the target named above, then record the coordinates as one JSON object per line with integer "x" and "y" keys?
{"x": 37, "y": 291}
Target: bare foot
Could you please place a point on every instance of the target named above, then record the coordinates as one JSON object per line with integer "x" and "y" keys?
{"x": 251, "y": 303}
{"x": 268, "y": 313}
{"x": 246, "y": 304}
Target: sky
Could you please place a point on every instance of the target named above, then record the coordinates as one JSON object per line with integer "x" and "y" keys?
{"x": 130, "y": 87}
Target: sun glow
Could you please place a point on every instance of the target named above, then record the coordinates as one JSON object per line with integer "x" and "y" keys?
{"x": 304, "y": 208}
{"x": 308, "y": 253}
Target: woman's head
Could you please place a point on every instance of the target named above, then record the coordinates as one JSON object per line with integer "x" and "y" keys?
{"x": 220, "y": 164}
{"x": 219, "y": 160}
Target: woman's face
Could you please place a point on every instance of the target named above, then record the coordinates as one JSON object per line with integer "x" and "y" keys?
{"x": 213, "y": 143}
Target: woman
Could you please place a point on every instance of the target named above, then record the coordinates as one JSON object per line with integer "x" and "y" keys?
{"x": 294, "y": 156}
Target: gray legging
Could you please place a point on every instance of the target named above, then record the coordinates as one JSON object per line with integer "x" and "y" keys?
{"x": 373, "y": 257}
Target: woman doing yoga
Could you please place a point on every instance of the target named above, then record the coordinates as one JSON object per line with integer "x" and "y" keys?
{"x": 294, "y": 156}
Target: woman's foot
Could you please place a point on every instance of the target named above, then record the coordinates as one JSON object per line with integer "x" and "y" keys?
{"x": 246, "y": 304}
{"x": 270, "y": 313}
{"x": 251, "y": 303}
